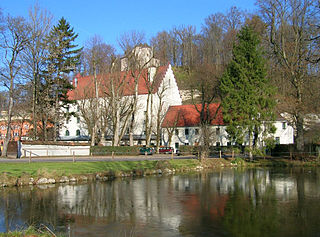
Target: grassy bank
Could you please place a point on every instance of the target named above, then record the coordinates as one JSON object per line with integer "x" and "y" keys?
{"x": 80, "y": 168}
{"x": 30, "y": 232}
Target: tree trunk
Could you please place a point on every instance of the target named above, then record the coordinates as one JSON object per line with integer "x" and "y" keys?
{"x": 300, "y": 133}
{"x": 250, "y": 146}
{"x": 8, "y": 135}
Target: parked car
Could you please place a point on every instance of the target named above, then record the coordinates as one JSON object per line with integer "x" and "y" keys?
{"x": 147, "y": 150}
{"x": 165, "y": 150}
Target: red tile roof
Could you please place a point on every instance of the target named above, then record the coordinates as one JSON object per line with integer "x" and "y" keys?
{"x": 189, "y": 116}
{"x": 124, "y": 81}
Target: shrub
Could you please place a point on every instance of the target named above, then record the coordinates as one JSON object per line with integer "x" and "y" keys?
{"x": 118, "y": 150}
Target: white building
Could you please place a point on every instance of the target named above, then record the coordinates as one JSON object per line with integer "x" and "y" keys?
{"x": 156, "y": 82}
{"x": 182, "y": 124}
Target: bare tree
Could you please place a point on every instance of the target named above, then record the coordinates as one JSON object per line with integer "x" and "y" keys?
{"x": 34, "y": 58}
{"x": 128, "y": 41}
{"x": 97, "y": 58}
{"x": 291, "y": 25}
{"x": 205, "y": 81}
{"x": 14, "y": 40}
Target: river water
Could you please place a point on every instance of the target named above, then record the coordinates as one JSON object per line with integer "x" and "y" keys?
{"x": 229, "y": 202}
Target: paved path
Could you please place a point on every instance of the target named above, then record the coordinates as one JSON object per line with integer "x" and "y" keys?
{"x": 94, "y": 158}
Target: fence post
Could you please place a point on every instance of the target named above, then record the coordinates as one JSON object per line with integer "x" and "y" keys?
{"x": 73, "y": 159}
{"x": 220, "y": 154}
{"x": 29, "y": 157}
{"x": 113, "y": 155}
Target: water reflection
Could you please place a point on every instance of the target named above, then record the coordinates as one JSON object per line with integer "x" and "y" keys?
{"x": 254, "y": 202}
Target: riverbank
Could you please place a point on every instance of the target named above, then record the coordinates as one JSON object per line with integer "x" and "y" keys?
{"x": 59, "y": 172}
{"x": 30, "y": 232}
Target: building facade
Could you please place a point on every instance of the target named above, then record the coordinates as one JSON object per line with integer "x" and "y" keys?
{"x": 181, "y": 126}
{"x": 151, "y": 90}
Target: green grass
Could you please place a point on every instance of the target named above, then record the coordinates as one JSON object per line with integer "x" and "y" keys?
{"x": 31, "y": 231}
{"x": 61, "y": 168}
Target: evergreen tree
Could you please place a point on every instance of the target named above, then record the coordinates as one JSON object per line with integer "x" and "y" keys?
{"x": 247, "y": 95}
{"x": 63, "y": 57}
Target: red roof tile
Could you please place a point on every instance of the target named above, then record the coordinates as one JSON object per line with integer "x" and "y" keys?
{"x": 189, "y": 116}
{"x": 124, "y": 81}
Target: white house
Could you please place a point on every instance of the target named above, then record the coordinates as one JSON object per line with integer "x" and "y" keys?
{"x": 181, "y": 127}
{"x": 154, "y": 82}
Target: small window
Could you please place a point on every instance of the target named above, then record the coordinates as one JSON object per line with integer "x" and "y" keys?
{"x": 218, "y": 131}
{"x": 67, "y": 121}
{"x": 78, "y": 120}
{"x": 176, "y": 145}
{"x": 78, "y": 132}
{"x": 186, "y": 131}
{"x": 196, "y": 131}
{"x": 217, "y": 143}
{"x": 284, "y": 125}
{"x": 68, "y": 109}
{"x": 177, "y": 132}
{"x": 228, "y": 143}
{"x": 67, "y": 133}
{"x": 78, "y": 108}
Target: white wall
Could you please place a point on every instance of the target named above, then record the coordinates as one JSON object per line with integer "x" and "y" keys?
{"x": 53, "y": 150}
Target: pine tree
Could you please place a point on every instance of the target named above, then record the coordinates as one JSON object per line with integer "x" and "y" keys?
{"x": 63, "y": 57}
{"x": 247, "y": 95}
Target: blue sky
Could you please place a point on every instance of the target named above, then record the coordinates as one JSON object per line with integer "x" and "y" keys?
{"x": 111, "y": 18}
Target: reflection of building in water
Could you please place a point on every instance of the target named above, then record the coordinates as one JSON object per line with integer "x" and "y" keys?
{"x": 166, "y": 201}
{"x": 71, "y": 196}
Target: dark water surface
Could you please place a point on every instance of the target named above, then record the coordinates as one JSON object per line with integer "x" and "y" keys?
{"x": 230, "y": 202}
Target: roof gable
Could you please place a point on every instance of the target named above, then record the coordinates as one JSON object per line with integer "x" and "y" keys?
{"x": 189, "y": 116}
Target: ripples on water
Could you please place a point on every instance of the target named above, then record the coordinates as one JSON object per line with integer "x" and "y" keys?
{"x": 230, "y": 202}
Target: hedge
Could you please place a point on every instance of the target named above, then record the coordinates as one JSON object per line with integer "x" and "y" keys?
{"x": 118, "y": 150}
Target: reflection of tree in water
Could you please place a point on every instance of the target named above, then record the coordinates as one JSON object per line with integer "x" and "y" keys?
{"x": 30, "y": 206}
{"x": 245, "y": 216}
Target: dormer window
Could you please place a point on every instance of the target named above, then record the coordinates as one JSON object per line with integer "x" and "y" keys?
{"x": 75, "y": 82}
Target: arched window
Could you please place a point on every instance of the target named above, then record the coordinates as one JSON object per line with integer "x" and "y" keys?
{"x": 78, "y": 132}
{"x": 67, "y": 133}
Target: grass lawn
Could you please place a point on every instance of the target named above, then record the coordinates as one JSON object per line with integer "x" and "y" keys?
{"x": 69, "y": 168}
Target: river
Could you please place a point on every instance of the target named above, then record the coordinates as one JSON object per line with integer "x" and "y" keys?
{"x": 227, "y": 202}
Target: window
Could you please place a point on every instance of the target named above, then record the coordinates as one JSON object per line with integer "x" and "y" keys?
{"x": 284, "y": 125}
{"x": 196, "y": 131}
{"x": 177, "y": 132}
{"x": 176, "y": 145}
{"x": 218, "y": 131}
{"x": 78, "y": 108}
{"x": 277, "y": 140}
{"x": 68, "y": 109}
{"x": 78, "y": 132}
{"x": 186, "y": 131}
{"x": 228, "y": 143}
{"x": 67, "y": 133}
{"x": 78, "y": 120}
{"x": 217, "y": 143}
